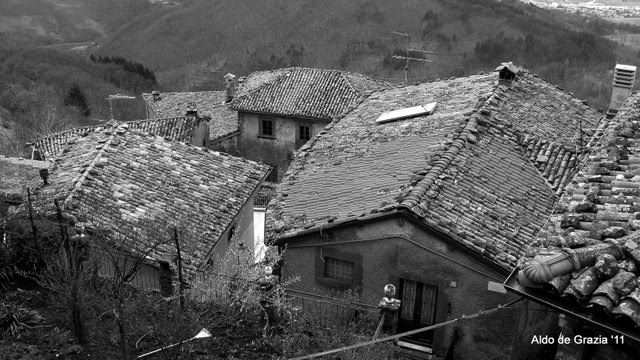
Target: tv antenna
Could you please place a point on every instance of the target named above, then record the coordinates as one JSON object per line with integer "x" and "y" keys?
{"x": 408, "y": 55}
{"x": 118, "y": 96}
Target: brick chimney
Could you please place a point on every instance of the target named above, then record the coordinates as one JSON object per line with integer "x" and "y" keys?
{"x": 623, "y": 79}
{"x": 156, "y": 96}
{"x": 230, "y": 86}
{"x": 507, "y": 74}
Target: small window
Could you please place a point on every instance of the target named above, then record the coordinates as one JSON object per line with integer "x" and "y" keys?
{"x": 267, "y": 126}
{"x": 305, "y": 133}
{"x": 340, "y": 270}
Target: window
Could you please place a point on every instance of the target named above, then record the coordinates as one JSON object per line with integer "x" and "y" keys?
{"x": 266, "y": 126}
{"x": 303, "y": 133}
{"x": 340, "y": 270}
{"x": 337, "y": 269}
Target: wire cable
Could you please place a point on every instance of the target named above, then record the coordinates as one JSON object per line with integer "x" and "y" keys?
{"x": 416, "y": 331}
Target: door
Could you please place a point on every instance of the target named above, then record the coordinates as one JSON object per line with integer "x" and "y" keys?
{"x": 417, "y": 310}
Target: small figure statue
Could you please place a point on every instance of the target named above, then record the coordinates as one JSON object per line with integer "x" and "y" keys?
{"x": 387, "y": 302}
{"x": 388, "y": 311}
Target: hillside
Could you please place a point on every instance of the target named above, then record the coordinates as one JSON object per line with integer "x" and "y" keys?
{"x": 28, "y": 23}
{"x": 192, "y": 45}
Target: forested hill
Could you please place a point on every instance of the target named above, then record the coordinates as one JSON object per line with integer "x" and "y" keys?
{"x": 194, "y": 44}
{"x": 140, "y": 45}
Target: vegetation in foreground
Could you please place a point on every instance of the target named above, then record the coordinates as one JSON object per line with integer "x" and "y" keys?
{"x": 59, "y": 302}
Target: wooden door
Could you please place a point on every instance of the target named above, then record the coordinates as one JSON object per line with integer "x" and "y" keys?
{"x": 417, "y": 310}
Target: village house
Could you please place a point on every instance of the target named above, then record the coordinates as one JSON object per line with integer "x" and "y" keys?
{"x": 190, "y": 129}
{"x": 280, "y": 110}
{"x": 586, "y": 259}
{"x": 437, "y": 188}
{"x": 138, "y": 188}
{"x": 214, "y": 105}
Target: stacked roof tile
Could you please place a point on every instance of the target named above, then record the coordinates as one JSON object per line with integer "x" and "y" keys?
{"x": 223, "y": 121}
{"x": 595, "y": 229}
{"x": 303, "y": 92}
{"x": 179, "y": 129}
{"x": 463, "y": 171}
{"x": 117, "y": 178}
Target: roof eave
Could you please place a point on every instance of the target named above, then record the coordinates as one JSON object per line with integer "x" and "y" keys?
{"x": 281, "y": 241}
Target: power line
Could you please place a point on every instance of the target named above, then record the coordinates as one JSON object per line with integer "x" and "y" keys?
{"x": 396, "y": 336}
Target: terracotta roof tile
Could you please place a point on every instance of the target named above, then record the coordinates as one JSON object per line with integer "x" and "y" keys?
{"x": 180, "y": 129}
{"x": 596, "y": 222}
{"x": 464, "y": 170}
{"x": 303, "y": 92}
{"x": 116, "y": 175}
{"x": 223, "y": 120}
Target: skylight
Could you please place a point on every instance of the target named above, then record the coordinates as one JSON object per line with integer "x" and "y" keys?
{"x": 406, "y": 113}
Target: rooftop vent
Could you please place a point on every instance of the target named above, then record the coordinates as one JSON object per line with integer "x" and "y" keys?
{"x": 192, "y": 109}
{"x": 230, "y": 86}
{"x": 44, "y": 174}
{"x": 156, "y": 96}
{"x": 507, "y": 73}
{"x": 623, "y": 79}
{"x": 406, "y": 113}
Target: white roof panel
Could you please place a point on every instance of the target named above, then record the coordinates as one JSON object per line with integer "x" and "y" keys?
{"x": 406, "y": 113}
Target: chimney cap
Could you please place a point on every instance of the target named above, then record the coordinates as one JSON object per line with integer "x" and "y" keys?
{"x": 509, "y": 66}
{"x": 44, "y": 174}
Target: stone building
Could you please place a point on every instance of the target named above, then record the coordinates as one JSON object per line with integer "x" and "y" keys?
{"x": 437, "y": 188}
{"x": 280, "y": 110}
{"x": 137, "y": 188}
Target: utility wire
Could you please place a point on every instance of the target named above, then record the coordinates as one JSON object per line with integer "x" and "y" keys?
{"x": 392, "y": 337}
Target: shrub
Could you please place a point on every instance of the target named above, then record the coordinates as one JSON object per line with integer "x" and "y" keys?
{"x": 15, "y": 318}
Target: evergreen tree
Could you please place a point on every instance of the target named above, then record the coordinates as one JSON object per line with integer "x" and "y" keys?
{"x": 76, "y": 97}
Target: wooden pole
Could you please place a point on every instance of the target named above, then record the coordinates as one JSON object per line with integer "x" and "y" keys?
{"x": 181, "y": 283}
{"x": 33, "y": 224}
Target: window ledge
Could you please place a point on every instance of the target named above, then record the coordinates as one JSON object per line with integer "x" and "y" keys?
{"x": 267, "y": 137}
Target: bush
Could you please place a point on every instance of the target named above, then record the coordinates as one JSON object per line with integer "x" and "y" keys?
{"x": 16, "y": 318}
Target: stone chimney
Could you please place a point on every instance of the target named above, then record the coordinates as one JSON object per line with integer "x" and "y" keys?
{"x": 623, "y": 79}
{"x": 192, "y": 109}
{"x": 507, "y": 74}
{"x": 230, "y": 86}
{"x": 156, "y": 96}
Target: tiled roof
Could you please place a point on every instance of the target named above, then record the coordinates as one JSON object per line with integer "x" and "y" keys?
{"x": 208, "y": 103}
{"x": 596, "y": 224}
{"x": 463, "y": 171}
{"x": 18, "y": 173}
{"x": 303, "y": 92}
{"x": 179, "y": 128}
{"x": 114, "y": 176}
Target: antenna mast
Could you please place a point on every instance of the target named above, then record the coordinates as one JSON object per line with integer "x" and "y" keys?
{"x": 408, "y": 57}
